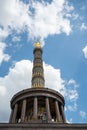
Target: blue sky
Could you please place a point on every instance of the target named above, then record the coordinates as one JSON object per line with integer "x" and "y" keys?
{"x": 61, "y": 27}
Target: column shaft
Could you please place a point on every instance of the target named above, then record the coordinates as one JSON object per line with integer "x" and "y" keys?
{"x": 23, "y": 112}
{"x": 11, "y": 115}
{"x": 63, "y": 115}
{"x": 15, "y": 113}
{"x": 48, "y": 109}
{"x": 35, "y": 108}
{"x": 57, "y": 111}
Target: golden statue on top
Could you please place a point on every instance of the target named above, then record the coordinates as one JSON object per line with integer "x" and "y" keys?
{"x": 37, "y": 45}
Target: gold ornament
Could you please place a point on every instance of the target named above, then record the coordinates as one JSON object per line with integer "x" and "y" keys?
{"x": 37, "y": 45}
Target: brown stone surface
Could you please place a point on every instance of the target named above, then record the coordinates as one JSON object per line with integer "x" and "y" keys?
{"x": 43, "y": 126}
{"x": 32, "y": 92}
{"x": 36, "y": 104}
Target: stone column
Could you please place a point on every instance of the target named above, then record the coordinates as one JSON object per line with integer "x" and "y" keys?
{"x": 23, "y": 112}
{"x": 63, "y": 115}
{"x": 48, "y": 109}
{"x": 15, "y": 113}
{"x": 11, "y": 115}
{"x": 35, "y": 108}
{"x": 57, "y": 111}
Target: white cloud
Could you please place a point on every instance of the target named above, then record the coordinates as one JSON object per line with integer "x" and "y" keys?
{"x": 19, "y": 78}
{"x": 12, "y": 13}
{"x": 75, "y": 16}
{"x": 72, "y": 107}
{"x": 3, "y": 56}
{"x": 53, "y": 78}
{"x": 49, "y": 19}
{"x": 72, "y": 82}
{"x": 44, "y": 19}
{"x": 3, "y": 34}
{"x": 16, "y": 39}
{"x": 83, "y": 114}
{"x": 70, "y": 91}
{"x": 83, "y": 26}
{"x": 69, "y": 121}
{"x": 85, "y": 51}
{"x": 71, "y": 95}
{"x": 2, "y": 90}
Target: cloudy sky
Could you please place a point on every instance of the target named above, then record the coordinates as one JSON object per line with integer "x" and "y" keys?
{"x": 61, "y": 27}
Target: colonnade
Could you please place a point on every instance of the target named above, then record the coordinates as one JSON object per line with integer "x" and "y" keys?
{"x": 59, "y": 111}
